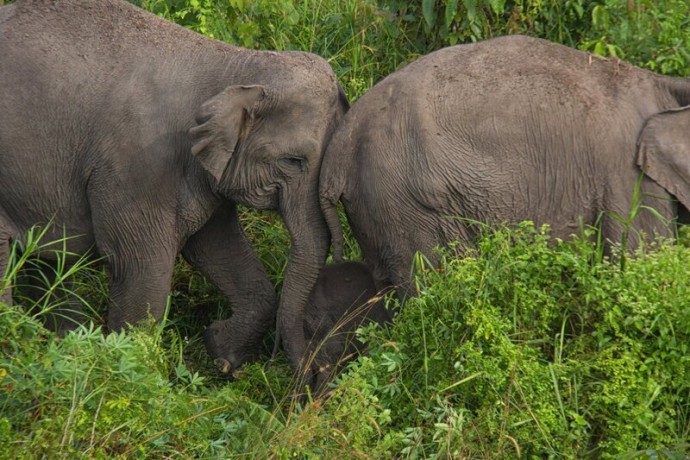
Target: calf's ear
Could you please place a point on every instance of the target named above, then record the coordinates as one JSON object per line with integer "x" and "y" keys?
{"x": 663, "y": 152}
{"x": 221, "y": 122}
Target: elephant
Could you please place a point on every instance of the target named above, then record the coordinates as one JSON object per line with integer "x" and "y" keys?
{"x": 146, "y": 137}
{"x": 344, "y": 298}
{"x": 502, "y": 131}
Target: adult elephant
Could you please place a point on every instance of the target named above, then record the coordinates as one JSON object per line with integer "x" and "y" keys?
{"x": 137, "y": 138}
{"x": 509, "y": 129}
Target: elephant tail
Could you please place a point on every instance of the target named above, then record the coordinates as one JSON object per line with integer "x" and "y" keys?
{"x": 334, "y": 172}
{"x": 329, "y": 207}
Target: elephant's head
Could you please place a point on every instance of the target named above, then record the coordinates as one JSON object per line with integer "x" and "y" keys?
{"x": 262, "y": 144}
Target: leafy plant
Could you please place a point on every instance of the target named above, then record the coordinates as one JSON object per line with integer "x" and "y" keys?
{"x": 529, "y": 348}
{"x": 650, "y": 33}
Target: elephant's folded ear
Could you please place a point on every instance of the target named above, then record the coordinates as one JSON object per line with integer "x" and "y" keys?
{"x": 220, "y": 124}
{"x": 663, "y": 152}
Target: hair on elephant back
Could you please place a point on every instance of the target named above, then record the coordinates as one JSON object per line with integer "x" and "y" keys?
{"x": 148, "y": 135}
{"x": 506, "y": 130}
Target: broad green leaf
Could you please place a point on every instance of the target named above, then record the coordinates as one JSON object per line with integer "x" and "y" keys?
{"x": 451, "y": 11}
{"x": 600, "y": 16}
{"x": 471, "y": 7}
{"x": 428, "y": 10}
{"x": 498, "y": 6}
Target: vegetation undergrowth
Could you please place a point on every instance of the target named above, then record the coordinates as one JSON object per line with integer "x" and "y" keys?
{"x": 521, "y": 349}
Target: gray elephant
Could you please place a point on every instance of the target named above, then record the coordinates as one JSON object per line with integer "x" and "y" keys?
{"x": 505, "y": 130}
{"x": 344, "y": 298}
{"x": 137, "y": 138}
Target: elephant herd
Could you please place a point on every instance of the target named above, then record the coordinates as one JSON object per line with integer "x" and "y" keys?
{"x": 145, "y": 136}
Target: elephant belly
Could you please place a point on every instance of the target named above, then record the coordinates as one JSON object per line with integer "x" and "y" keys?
{"x": 59, "y": 226}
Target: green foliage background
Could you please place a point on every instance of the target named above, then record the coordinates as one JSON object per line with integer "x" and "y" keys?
{"x": 523, "y": 349}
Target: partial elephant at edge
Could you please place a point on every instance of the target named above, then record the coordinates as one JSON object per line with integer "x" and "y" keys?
{"x": 147, "y": 136}
{"x": 501, "y": 131}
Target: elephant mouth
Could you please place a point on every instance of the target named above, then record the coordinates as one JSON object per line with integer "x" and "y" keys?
{"x": 264, "y": 198}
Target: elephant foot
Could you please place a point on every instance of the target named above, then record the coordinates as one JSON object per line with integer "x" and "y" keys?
{"x": 227, "y": 357}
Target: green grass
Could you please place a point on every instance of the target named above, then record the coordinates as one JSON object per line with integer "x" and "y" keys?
{"x": 522, "y": 349}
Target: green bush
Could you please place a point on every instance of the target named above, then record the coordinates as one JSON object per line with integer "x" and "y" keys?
{"x": 649, "y": 33}
{"x": 539, "y": 350}
{"x": 525, "y": 347}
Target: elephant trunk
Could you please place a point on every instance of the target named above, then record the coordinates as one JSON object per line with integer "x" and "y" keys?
{"x": 308, "y": 252}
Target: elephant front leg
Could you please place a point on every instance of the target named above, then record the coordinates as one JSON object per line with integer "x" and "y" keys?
{"x": 139, "y": 286}
{"x": 221, "y": 252}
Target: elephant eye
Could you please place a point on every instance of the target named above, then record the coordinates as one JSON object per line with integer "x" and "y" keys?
{"x": 293, "y": 163}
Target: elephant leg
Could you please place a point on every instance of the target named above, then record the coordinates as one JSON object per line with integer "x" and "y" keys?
{"x": 140, "y": 263}
{"x": 139, "y": 285}
{"x": 221, "y": 252}
{"x": 136, "y": 235}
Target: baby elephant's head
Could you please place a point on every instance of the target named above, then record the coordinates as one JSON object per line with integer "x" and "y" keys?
{"x": 344, "y": 298}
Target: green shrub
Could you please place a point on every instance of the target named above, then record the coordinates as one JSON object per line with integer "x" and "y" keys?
{"x": 532, "y": 349}
{"x": 650, "y": 33}
{"x": 125, "y": 395}
{"x": 525, "y": 347}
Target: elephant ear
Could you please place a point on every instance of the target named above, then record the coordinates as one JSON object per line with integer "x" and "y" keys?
{"x": 220, "y": 123}
{"x": 663, "y": 152}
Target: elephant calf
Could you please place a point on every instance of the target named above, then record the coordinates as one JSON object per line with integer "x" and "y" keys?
{"x": 343, "y": 299}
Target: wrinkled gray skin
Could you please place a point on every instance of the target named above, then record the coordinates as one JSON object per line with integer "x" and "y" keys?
{"x": 139, "y": 137}
{"x": 344, "y": 298}
{"x": 505, "y": 130}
